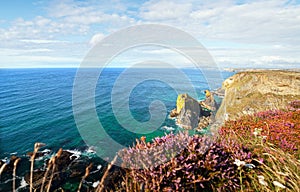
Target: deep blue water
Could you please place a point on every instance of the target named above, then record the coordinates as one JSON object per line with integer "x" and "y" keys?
{"x": 36, "y": 105}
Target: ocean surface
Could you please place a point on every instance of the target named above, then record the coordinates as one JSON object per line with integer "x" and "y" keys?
{"x": 36, "y": 105}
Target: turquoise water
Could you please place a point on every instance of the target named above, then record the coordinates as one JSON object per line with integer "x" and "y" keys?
{"x": 36, "y": 106}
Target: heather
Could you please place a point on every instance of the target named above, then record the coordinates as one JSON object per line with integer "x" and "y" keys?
{"x": 280, "y": 128}
{"x": 257, "y": 152}
{"x": 204, "y": 164}
{"x": 209, "y": 164}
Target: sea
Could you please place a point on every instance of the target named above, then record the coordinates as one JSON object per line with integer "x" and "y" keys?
{"x": 37, "y": 105}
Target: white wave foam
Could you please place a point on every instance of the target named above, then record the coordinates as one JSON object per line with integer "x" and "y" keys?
{"x": 46, "y": 151}
{"x": 98, "y": 169}
{"x": 166, "y": 128}
{"x": 91, "y": 150}
{"x": 39, "y": 158}
{"x": 75, "y": 153}
{"x": 95, "y": 184}
{"x": 22, "y": 184}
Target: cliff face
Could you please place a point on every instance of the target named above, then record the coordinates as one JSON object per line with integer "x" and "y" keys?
{"x": 191, "y": 114}
{"x": 253, "y": 91}
{"x": 188, "y": 110}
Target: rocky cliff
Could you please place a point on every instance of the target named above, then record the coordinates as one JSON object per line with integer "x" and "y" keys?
{"x": 248, "y": 92}
{"x": 192, "y": 114}
{"x": 188, "y": 110}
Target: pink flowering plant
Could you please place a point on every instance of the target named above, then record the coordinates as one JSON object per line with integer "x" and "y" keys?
{"x": 278, "y": 127}
{"x": 204, "y": 164}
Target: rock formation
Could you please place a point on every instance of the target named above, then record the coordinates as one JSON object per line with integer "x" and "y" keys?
{"x": 188, "y": 110}
{"x": 209, "y": 103}
{"x": 248, "y": 92}
{"x": 192, "y": 114}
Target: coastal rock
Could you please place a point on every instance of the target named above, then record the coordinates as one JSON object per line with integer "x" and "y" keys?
{"x": 204, "y": 122}
{"x": 77, "y": 168}
{"x": 37, "y": 179}
{"x": 249, "y": 92}
{"x": 220, "y": 92}
{"x": 64, "y": 160}
{"x": 209, "y": 102}
{"x": 61, "y": 166}
{"x": 39, "y": 153}
{"x": 69, "y": 168}
{"x": 8, "y": 165}
{"x": 188, "y": 110}
{"x": 192, "y": 114}
{"x": 173, "y": 113}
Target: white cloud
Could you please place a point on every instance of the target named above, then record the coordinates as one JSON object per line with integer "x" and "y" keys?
{"x": 31, "y": 61}
{"x": 257, "y": 22}
{"x": 16, "y": 52}
{"x": 164, "y": 10}
{"x": 96, "y": 39}
{"x": 204, "y": 15}
{"x": 87, "y": 13}
{"x": 42, "y": 41}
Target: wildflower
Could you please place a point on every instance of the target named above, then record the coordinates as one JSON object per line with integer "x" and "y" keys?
{"x": 239, "y": 163}
{"x": 255, "y": 133}
{"x": 261, "y": 180}
{"x": 277, "y": 184}
{"x": 260, "y": 177}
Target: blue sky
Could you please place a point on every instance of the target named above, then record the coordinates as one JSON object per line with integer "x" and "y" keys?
{"x": 57, "y": 33}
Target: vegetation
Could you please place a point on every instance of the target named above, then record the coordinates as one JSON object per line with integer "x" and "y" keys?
{"x": 257, "y": 152}
{"x": 278, "y": 127}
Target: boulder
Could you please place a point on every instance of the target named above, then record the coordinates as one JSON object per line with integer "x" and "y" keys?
{"x": 188, "y": 110}
{"x": 173, "y": 113}
{"x": 37, "y": 179}
{"x": 64, "y": 160}
{"x": 209, "y": 102}
{"x": 203, "y": 123}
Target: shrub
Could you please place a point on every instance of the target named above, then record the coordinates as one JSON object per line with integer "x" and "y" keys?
{"x": 278, "y": 127}
{"x": 203, "y": 164}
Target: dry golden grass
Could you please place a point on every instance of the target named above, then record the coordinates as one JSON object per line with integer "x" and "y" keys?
{"x": 14, "y": 173}
{"x": 277, "y": 167}
{"x": 37, "y": 146}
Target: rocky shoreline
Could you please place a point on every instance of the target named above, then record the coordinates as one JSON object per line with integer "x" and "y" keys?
{"x": 70, "y": 167}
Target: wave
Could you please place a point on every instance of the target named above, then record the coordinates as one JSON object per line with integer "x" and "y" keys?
{"x": 167, "y": 128}
{"x": 23, "y": 184}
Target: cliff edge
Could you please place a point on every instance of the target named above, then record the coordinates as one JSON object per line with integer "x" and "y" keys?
{"x": 248, "y": 92}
